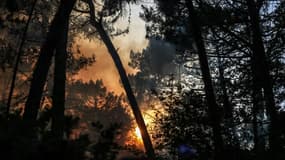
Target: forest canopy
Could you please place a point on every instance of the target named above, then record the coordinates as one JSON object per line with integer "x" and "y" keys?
{"x": 142, "y": 79}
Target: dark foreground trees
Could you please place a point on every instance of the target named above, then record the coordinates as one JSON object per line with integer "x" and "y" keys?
{"x": 223, "y": 94}
{"x": 261, "y": 72}
{"x": 195, "y": 30}
{"x": 55, "y": 44}
{"x": 213, "y": 108}
{"x": 239, "y": 38}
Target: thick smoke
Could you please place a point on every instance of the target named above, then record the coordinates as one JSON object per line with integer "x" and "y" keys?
{"x": 155, "y": 62}
{"x": 161, "y": 56}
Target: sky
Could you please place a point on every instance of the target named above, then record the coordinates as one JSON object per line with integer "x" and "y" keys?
{"x": 104, "y": 67}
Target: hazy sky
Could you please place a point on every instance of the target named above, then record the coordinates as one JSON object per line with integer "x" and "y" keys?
{"x": 104, "y": 68}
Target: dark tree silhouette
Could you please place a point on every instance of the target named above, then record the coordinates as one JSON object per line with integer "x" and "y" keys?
{"x": 213, "y": 74}
{"x": 58, "y": 96}
{"x": 210, "y": 95}
{"x": 244, "y": 33}
{"x": 260, "y": 69}
{"x": 20, "y": 50}
{"x": 126, "y": 84}
{"x": 44, "y": 60}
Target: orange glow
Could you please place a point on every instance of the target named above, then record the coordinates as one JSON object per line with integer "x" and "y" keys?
{"x": 138, "y": 133}
{"x": 104, "y": 67}
{"x": 134, "y": 135}
{"x": 134, "y": 139}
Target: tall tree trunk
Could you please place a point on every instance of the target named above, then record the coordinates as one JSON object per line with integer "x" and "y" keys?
{"x": 227, "y": 105}
{"x": 263, "y": 73}
{"x": 126, "y": 84}
{"x": 44, "y": 61}
{"x": 128, "y": 90}
{"x": 213, "y": 109}
{"x": 19, "y": 54}
{"x": 225, "y": 98}
{"x": 58, "y": 96}
{"x": 259, "y": 147}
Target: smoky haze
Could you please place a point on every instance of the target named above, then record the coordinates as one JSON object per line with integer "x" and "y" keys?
{"x": 104, "y": 67}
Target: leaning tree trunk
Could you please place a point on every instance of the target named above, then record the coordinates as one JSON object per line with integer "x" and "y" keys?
{"x": 129, "y": 92}
{"x": 58, "y": 96}
{"x": 44, "y": 61}
{"x": 263, "y": 73}
{"x": 126, "y": 84}
{"x": 213, "y": 109}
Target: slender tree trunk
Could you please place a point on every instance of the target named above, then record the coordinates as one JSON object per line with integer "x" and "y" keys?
{"x": 210, "y": 96}
{"x": 126, "y": 84}
{"x": 227, "y": 105}
{"x": 225, "y": 98}
{"x": 132, "y": 100}
{"x": 44, "y": 61}
{"x": 58, "y": 96}
{"x": 263, "y": 73}
{"x": 256, "y": 109}
{"x": 19, "y": 54}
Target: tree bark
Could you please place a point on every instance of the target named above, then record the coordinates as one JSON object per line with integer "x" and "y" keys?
{"x": 262, "y": 72}
{"x": 44, "y": 61}
{"x": 58, "y": 96}
{"x": 213, "y": 109}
